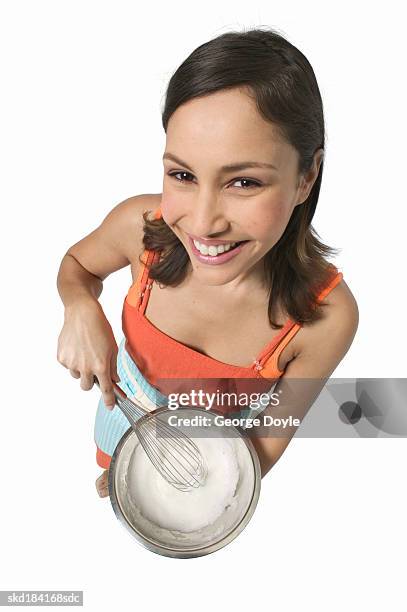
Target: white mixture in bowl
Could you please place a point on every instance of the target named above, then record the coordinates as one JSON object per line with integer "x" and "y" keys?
{"x": 187, "y": 511}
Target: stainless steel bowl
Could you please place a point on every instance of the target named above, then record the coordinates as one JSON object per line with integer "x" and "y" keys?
{"x": 208, "y": 539}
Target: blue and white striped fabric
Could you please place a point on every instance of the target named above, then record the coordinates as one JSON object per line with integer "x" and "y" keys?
{"x": 110, "y": 425}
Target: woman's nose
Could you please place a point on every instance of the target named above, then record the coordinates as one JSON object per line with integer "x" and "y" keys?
{"x": 207, "y": 217}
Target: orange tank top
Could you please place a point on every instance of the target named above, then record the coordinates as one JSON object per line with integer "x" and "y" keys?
{"x": 160, "y": 356}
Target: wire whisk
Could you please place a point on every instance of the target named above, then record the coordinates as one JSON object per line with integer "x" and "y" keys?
{"x": 173, "y": 454}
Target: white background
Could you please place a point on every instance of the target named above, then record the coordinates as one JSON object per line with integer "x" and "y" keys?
{"x": 83, "y": 85}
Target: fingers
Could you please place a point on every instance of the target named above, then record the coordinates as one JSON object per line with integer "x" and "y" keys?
{"x": 106, "y": 387}
{"x": 106, "y": 372}
{"x": 113, "y": 368}
{"x": 87, "y": 381}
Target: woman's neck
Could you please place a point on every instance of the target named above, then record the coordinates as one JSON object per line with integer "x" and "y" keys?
{"x": 252, "y": 281}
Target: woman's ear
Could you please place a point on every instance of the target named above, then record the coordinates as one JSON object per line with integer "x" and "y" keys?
{"x": 308, "y": 180}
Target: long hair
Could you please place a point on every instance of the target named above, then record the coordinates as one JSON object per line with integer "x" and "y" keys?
{"x": 282, "y": 83}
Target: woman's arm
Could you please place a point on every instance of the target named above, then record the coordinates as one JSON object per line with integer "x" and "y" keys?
{"x": 312, "y": 367}
{"x": 74, "y": 282}
{"x": 86, "y": 344}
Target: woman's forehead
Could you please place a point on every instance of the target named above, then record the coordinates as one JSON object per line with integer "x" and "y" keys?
{"x": 227, "y": 123}
{"x": 228, "y": 111}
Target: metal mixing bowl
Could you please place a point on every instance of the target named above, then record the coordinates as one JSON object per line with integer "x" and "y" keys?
{"x": 208, "y": 539}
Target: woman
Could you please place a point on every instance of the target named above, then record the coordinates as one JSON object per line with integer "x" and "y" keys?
{"x": 236, "y": 282}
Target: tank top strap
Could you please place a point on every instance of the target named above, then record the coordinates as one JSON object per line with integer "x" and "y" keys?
{"x": 269, "y": 361}
{"x": 139, "y": 291}
{"x": 335, "y": 280}
{"x": 145, "y": 286}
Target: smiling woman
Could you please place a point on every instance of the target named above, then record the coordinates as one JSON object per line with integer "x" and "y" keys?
{"x": 243, "y": 288}
{"x": 261, "y": 118}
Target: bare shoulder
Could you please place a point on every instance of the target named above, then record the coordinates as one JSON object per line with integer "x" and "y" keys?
{"x": 340, "y": 302}
{"x": 323, "y": 344}
{"x": 340, "y": 316}
{"x": 118, "y": 240}
{"x": 133, "y": 208}
{"x": 126, "y": 222}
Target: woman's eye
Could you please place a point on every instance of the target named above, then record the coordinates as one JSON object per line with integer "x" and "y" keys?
{"x": 254, "y": 183}
{"x": 174, "y": 174}
{"x": 240, "y": 180}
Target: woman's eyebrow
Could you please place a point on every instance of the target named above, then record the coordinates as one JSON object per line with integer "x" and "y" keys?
{"x": 227, "y": 168}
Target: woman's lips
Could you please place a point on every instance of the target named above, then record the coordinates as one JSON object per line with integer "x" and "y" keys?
{"x": 209, "y": 243}
{"x": 217, "y": 259}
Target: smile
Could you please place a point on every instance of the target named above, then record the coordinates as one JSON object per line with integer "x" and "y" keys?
{"x": 216, "y": 254}
{"x": 215, "y": 250}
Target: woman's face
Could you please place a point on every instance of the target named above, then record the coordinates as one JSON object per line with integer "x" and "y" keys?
{"x": 205, "y": 201}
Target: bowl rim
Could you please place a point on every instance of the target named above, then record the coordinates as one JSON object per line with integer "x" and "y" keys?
{"x": 185, "y": 553}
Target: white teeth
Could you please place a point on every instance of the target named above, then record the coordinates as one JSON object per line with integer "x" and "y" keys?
{"x": 212, "y": 249}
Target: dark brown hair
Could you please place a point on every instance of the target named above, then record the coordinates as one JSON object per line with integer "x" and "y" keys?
{"x": 282, "y": 82}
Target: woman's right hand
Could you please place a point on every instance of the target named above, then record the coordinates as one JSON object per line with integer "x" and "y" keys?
{"x": 87, "y": 347}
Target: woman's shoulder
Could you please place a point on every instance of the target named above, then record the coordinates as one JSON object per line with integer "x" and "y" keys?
{"x": 340, "y": 314}
{"x": 118, "y": 240}
{"x": 131, "y": 213}
{"x": 131, "y": 225}
{"x": 341, "y": 296}
{"x": 133, "y": 208}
